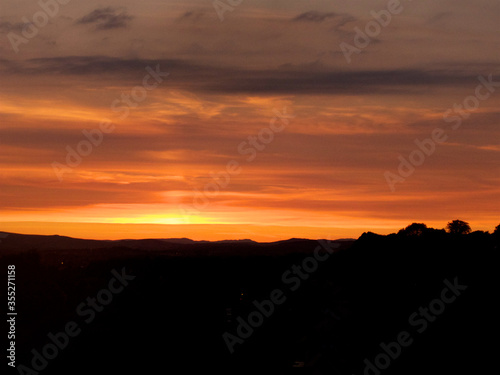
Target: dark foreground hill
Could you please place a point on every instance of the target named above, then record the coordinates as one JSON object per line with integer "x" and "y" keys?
{"x": 382, "y": 304}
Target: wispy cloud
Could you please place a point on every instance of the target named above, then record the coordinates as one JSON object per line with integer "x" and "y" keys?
{"x": 107, "y": 18}
{"x": 340, "y": 19}
{"x": 292, "y": 79}
{"x": 314, "y": 16}
{"x": 6, "y": 27}
{"x": 192, "y": 15}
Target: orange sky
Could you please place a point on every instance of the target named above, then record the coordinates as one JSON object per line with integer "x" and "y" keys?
{"x": 329, "y": 130}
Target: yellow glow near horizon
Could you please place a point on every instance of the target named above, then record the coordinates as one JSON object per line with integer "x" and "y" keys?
{"x": 160, "y": 219}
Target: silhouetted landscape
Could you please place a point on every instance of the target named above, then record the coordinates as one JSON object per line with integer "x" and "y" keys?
{"x": 183, "y": 296}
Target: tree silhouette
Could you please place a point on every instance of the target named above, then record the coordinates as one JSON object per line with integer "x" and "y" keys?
{"x": 496, "y": 234}
{"x": 414, "y": 229}
{"x": 458, "y": 227}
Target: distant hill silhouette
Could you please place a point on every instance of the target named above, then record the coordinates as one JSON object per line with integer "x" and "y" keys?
{"x": 54, "y": 249}
{"x": 14, "y": 241}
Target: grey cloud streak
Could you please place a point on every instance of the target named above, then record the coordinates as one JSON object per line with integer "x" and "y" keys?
{"x": 306, "y": 79}
{"x": 107, "y": 18}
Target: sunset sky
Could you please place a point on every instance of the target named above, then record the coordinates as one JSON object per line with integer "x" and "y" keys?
{"x": 330, "y": 129}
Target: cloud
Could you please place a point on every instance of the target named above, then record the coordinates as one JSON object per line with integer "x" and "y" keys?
{"x": 6, "y": 27}
{"x": 314, "y": 16}
{"x": 81, "y": 65}
{"x": 107, "y": 18}
{"x": 336, "y": 82}
{"x": 286, "y": 79}
{"x": 318, "y": 17}
{"x": 193, "y": 15}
